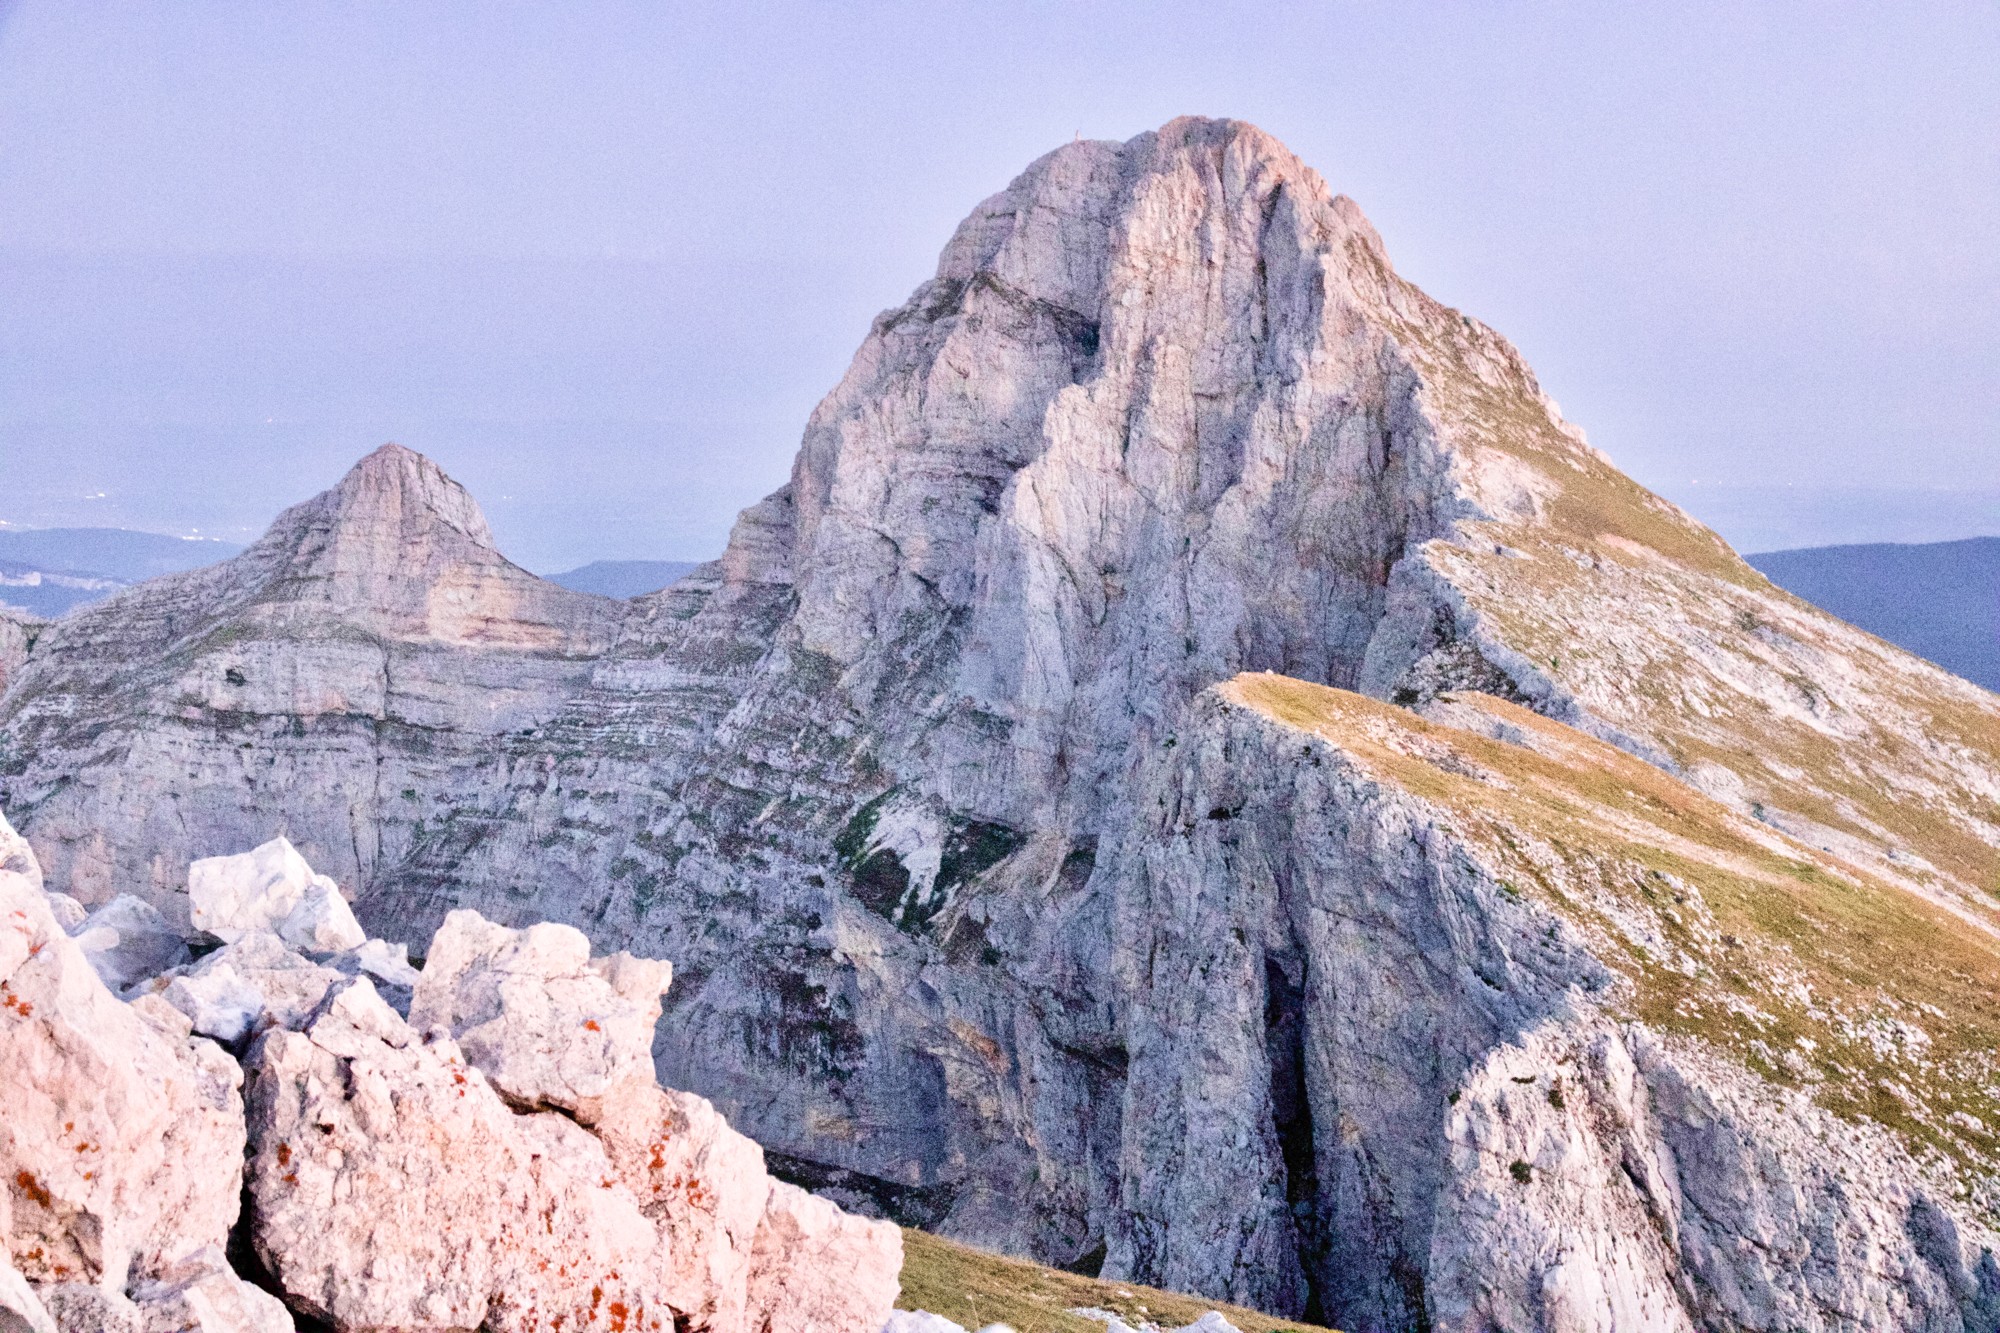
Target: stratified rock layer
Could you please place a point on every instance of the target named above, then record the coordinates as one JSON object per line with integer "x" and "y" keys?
{"x": 371, "y": 631}
{"x": 882, "y": 780}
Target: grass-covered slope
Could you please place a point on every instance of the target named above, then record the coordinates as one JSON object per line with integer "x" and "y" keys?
{"x": 1879, "y": 1000}
{"x": 1604, "y": 604}
{"x": 976, "y": 1288}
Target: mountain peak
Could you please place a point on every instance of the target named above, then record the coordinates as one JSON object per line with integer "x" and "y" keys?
{"x": 397, "y": 548}
{"x": 398, "y": 488}
{"x": 929, "y": 785}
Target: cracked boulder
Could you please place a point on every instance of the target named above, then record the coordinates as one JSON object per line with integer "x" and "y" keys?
{"x": 245, "y": 987}
{"x": 393, "y": 1188}
{"x": 551, "y": 1027}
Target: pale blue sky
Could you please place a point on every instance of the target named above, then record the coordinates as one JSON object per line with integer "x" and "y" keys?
{"x": 601, "y": 259}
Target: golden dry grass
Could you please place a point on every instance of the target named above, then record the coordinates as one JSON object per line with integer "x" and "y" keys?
{"x": 977, "y": 1288}
{"x": 1882, "y": 1004}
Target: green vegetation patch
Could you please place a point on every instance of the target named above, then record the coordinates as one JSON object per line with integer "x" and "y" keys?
{"x": 972, "y": 847}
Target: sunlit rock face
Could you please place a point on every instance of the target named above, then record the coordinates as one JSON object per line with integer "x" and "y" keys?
{"x": 514, "y": 1165}
{"x": 881, "y": 780}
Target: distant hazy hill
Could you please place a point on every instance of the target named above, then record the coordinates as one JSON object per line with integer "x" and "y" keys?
{"x": 50, "y": 570}
{"x": 1940, "y": 600}
{"x": 623, "y": 578}
{"x": 113, "y": 553}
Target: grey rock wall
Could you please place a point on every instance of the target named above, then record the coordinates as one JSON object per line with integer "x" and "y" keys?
{"x": 18, "y": 631}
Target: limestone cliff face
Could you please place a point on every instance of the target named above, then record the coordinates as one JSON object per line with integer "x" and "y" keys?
{"x": 889, "y": 779}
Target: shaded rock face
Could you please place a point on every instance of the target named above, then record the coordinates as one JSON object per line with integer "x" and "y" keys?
{"x": 883, "y": 779}
{"x": 18, "y": 632}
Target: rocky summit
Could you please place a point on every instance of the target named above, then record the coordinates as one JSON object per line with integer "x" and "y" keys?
{"x": 1201, "y": 776}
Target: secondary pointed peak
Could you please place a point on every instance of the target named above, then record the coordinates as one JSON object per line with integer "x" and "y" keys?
{"x": 397, "y": 487}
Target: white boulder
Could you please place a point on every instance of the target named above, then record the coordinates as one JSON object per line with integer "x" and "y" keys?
{"x": 17, "y": 858}
{"x": 255, "y": 983}
{"x": 1212, "y": 1322}
{"x": 920, "y": 1321}
{"x": 393, "y": 1188}
{"x": 121, "y": 1135}
{"x": 271, "y": 888}
{"x": 700, "y": 1183}
{"x": 545, "y": 1022}
{"x": 817, "y": 1267}
{"x": 549, "y": 1026}
{"x": 127, "y": 941}
{"x": 388, "y": 963}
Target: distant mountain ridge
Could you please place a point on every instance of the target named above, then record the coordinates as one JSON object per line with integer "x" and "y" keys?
{"x": 51, "y": 571}
{"x": 624, "y": 578}
{"x": 1939, "y": 600}
{"x": 116, "y": 553}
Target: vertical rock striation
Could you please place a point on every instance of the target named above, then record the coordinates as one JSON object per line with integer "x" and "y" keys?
{"x": 1421, "y": 1032}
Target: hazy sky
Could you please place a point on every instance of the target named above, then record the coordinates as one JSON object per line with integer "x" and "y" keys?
{"x": 600, "y": 260}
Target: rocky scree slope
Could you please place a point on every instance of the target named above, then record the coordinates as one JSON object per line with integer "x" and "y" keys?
{"x": 882, "y": 777}
{"x": 480, "y": 1144}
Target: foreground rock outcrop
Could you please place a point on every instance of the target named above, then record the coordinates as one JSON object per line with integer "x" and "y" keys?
{"x": 887, "y": 780}
{"x": 389, "y": 1183}
{"x": 551, "y": 1026}
{"x": 121, "y": 1143}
